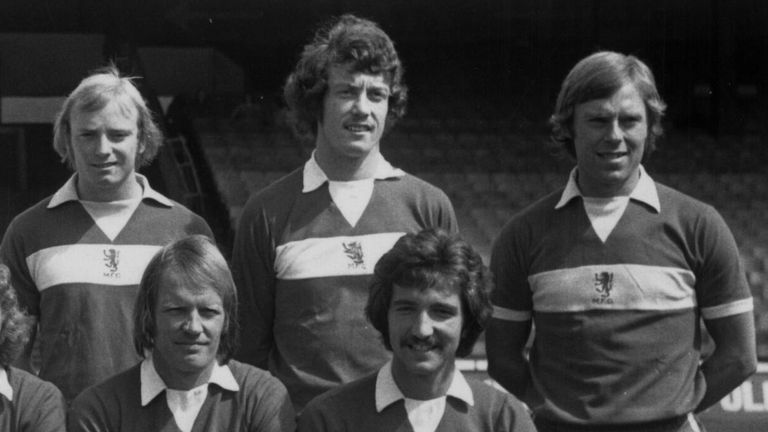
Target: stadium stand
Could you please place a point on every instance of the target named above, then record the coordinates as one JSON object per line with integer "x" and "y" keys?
{"x": 490, "y": 170}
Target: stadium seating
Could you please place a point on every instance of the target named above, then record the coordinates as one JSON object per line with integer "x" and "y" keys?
{"x": 491, "y": 170}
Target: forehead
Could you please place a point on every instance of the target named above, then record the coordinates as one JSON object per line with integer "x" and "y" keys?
{"x": 119, "y": 111}
{"x": 345, "y": 75}
{"x": 626, "y": 99}
{"x": 176, "y": 287}
{"x": 441, "y": 294}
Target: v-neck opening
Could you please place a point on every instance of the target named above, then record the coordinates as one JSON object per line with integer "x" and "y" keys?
{"x": 601, "y": 218}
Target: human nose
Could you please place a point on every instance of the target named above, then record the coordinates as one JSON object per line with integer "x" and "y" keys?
{"x": 192, "y": 324}
{"x": 614, "y": 132}
{"x": 103, "y": 145}
{"x": 422, "y": 325}
{"x": 361, "y": 104}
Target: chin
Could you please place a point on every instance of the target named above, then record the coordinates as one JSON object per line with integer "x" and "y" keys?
{"x": 423, "y": 368}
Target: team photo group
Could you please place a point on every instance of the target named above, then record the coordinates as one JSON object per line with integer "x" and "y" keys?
{"x": 350, "y": 294}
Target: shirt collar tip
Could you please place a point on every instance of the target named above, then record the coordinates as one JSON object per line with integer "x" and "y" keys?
{"x": 314, "y": 177}
{"x": 460, "y": 389}
{"x": 223, "y": 377}
{"x": 5, "y": 386}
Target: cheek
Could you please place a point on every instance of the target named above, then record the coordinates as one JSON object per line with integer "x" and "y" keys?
{"x": 216, "y": 328}
{"x": 382, "y": 112}
{"x": 640, "y": 135}
{"x": 394, "y": 332}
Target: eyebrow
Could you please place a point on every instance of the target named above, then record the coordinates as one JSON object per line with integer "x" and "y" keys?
{"x": 351, "y": 83}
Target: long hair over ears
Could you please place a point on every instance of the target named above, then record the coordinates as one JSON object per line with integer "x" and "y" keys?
{"x": 14, "y": 323}
{"x": 433, "y": 259}
{"x": 599, "y": 76}
{"x": 93, "y": 94}
{"x": 198, "y": 263}
{"x": 349, "y": 41}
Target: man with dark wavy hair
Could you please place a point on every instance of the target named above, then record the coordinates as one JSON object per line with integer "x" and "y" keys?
{"x": 430, "y": 300}
{"x": 27, "y": 403}
{"x": 306, "y": 246}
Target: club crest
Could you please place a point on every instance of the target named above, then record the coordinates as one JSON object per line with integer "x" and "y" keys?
{"x": 112, "y": 262}
{"x": 603, "y": 285}
{"x": 354, "y": 251}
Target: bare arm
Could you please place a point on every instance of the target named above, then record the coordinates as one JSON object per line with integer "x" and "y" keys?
{"x": 734, "y": 358}
{"x": 505, "y": 346}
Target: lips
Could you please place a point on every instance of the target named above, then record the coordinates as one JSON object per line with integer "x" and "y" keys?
{"x": 420, "y": 345}
{"x": 191, "y": 345}
{"x": 612, "y": 155}
{"x": 358, "y": 127}
{"x": 103, "y": 165}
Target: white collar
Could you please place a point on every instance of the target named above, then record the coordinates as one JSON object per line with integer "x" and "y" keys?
{"x": 387, "y": 391}
{"x": 5, "y": 385}
{"x": 68, "y": 192}
{"x": 152, "y": 385}
{"x": 645, "y": 191}
{"x": 314, "y": 177}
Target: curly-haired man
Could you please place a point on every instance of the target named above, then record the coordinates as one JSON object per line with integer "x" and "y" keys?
{"x": 306, "y": 246}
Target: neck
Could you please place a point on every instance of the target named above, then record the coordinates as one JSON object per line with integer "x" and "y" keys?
{"x": 607, "y": 190}
{"x": 129, "y": 189}
{"x": 180, "y": 380}
{"x": 423, "y": 387}
{"x": 347, "y": 168}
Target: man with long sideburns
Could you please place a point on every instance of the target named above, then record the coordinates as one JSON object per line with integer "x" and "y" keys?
{"x": 430, "y": 302}
{"x": 306, "y": 245}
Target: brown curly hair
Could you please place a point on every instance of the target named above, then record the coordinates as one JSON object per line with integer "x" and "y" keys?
{"x": 348, "y": 40}
{"x": 14, "y": 323}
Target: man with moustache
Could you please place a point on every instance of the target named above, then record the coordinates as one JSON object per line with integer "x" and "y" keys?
{"x": 430, "y": 302}
{"x": 306, "y": 245}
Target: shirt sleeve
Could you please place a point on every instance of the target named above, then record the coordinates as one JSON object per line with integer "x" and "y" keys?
{"x": 44, "y": 412}
{"x": 515, "y": 417}
{"x": 721, "y": 285}
{"x": 254, "y": 275}
{"x": 200, "y": 226}
{"x": 273, "y": 411}
{"x": 313, "y": 419}
{"x": 447, "y": 215}
{"x": 511, "y": 296}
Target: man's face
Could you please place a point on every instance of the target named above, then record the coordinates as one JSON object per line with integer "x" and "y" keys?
{"x": 609, "y": 139}
{"x": 355, "y": 110}
{"x": 189, "y": 322}
{"x": 424, "y": 331}
{"x": 104, "y": 146}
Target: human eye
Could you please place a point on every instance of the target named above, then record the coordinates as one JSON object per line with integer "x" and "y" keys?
{"x": 403, "y": 308}
{"x": 631, "y": 121}
{"x": 378, "y": 95}
{"x": 210, "y": 312}
{"x": 172, "y": 309}
{"x": 117, "y": 136}
{"x": 345, "y": 91}
{"x": 444, "y": 312}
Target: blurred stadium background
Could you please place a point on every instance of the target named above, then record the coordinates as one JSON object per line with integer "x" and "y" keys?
{"x": 483, "y": 76}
